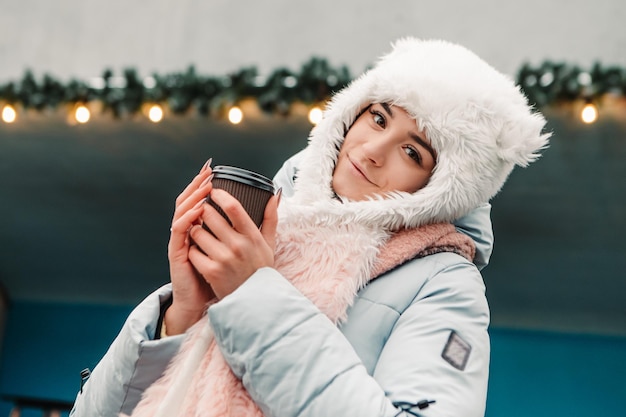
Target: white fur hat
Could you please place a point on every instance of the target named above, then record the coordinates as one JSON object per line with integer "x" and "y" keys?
{"x": 478, "y": 121}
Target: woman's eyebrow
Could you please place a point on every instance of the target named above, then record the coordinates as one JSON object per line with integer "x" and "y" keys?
{"x": 387, "y": 108}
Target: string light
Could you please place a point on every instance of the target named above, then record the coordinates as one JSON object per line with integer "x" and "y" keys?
{"x": 315, "y": 115}
{"x": 82, "y": 114}
{"x": 155, "y": 114}
{"x": 8, "y": 114}
{"x": 235, "y": 115}
{"x": 589, "y": 113}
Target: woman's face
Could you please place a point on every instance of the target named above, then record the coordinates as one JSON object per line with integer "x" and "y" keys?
{"x": 383, "y": 151}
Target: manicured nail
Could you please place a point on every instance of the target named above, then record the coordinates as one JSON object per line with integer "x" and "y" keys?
{"x": 206, "y": 164}
{"x": 279, "y": 194}
{"x": 208, "y": 180}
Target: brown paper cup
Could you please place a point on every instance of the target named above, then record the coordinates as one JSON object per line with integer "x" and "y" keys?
{"x": 251, "y": 189}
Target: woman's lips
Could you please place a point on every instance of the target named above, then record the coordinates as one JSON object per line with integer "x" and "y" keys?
{"x": 359, "y": 172}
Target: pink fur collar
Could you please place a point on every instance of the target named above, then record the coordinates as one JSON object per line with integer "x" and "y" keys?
{"x": 426, "y": 240}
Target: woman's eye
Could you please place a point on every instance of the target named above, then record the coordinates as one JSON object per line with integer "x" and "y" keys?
{"x": 378, "y": 118}
{"x": 413, "y": 154}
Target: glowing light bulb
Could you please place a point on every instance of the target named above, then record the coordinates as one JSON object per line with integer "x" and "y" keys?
{"x": 155, "y": 114}
{"x": 589, "y": 114}
{"x": 8, "y": 114}
{"x": 315, "y": 115}
{"x": 235, "y": 115}
{"x": 82, "y": 114}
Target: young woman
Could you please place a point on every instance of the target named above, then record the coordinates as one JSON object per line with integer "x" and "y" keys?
{"x": 358, "y": 296}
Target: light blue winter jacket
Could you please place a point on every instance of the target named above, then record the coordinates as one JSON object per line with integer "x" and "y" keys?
{"x": 417, "y": 333}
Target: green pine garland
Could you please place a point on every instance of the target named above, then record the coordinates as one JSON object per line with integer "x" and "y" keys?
{"x": 315, "y": 82}
{"x": 544, "y": 85}
{"x": 551, "y": 82}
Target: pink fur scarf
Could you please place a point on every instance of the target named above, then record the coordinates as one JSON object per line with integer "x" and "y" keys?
{"x": 329, "y": 264}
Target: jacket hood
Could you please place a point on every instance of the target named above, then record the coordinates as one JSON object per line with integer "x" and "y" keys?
{"x": 478, "y": 121}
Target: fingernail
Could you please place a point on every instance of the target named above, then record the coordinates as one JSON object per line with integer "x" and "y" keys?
{"x": 279, "y": 193}
{"x": 208, "y": 180}
{"x": 206, "y": 164}
{"x": 199, "y": 204}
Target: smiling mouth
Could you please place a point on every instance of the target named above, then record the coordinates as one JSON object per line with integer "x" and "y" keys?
{"x": 360, "y": 171}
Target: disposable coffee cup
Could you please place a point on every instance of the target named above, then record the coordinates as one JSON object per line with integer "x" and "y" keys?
{"x": 253, "y": 190}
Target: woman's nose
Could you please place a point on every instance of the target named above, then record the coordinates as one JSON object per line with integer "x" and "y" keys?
{"x": 375, "y": 149}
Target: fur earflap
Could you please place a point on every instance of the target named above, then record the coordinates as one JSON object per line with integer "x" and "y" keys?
{"x": 478, "y": 121}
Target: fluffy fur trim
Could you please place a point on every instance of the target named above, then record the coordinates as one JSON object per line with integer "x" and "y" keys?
{"x": 477, "y": 119}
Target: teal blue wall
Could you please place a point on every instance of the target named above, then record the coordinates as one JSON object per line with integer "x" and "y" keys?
{"x": 532, "y": 373}
{"x": 46, "y": 345}
{"x": 558, "y": 375}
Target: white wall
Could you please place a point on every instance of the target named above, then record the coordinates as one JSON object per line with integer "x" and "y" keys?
{"x": 80, "y": 38}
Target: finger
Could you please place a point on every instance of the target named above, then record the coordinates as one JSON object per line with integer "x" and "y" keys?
{"x": 205, "y": 240}
{"x": 198, "y": 182}
{"x": 195, "y": 183}
{"x": 213, "y": 273}
{"x": 213, "y": 220}
{"x": 204, "y": 264}
{"x": 180, "y": 227}
{"x": 237, "y": 215}
{"x": 196, "y": 196}
{"x": 270, "y": 220}
{"x": 199, "y": 260}
{"x": 204, "y": 171}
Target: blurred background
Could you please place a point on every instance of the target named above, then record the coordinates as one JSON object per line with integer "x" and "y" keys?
{"x": 108, "y": 109}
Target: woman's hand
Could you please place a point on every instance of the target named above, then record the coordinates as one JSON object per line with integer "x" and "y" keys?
{"x": 191, "y": 293}
{"x": 230, "y": 256}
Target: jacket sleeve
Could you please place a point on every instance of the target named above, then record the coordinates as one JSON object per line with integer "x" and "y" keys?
{"x": 295, "y": 362}
{"x": 132, "y": 363}
{"x": 439, "y": 347}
